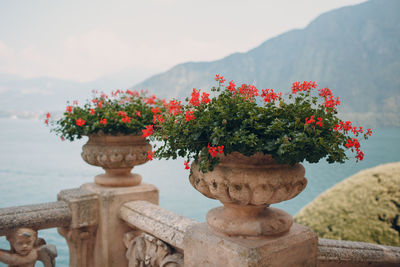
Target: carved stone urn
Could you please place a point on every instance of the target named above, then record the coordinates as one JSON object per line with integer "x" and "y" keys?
{"x": 246, "y": 186}
{"x": 117, "y": 155}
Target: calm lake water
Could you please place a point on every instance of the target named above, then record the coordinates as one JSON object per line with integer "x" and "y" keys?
{"x": 35, "y": 165}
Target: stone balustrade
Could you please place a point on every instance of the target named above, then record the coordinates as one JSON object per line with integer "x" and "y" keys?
{"x": 39, "y": 216}
{"x": 106, "y": 226}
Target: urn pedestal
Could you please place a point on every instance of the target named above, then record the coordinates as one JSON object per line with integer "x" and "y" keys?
{"x": 117, "y": 155}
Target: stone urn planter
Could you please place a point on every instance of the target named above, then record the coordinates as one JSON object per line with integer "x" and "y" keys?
{"x": 246, "y": 186}
{"x": 117, "y": 155}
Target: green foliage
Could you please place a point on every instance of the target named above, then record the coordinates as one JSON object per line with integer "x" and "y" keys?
{"x": 122, "y": 113}
{"x": 236, "y": 119}
{"x": 364, "y": 207}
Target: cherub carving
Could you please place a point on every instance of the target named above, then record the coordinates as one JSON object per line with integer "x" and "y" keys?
{"x": 26, "y": 249}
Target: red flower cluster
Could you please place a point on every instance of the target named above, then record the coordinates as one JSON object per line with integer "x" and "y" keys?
{"x": 194, "y": 100}
{"x": 158, "y": 117}
{"x": 325, "y": 92}
{"x": 80, "y": 122}
{"x": 174, "y": 107}
{"x": 204, "y": 98}
{"x": 92, "y": 112}
{"x": 311, "y": 119}
{"x": 116, "y": 93}
{"x": 231, "y": 87}
{"x": 46, "y": 121}
{"x": 189, "y": 115}
{"x": 305, "y": 86}
{"x": 187, "y": 166}
{"x": 150, "y": 155}
{"x": 156, "y": 110}
{"x": 248, "y": 91}
{"x": 219, "y": 78}
{"x": 270, "y": 96}
{"x": 330, "y": 102}
{"x": 213, "y": 150}
{"x": 69, "y": 109}
{"x": 125, "y": 118}
{"x": 103, "y": 121}
{"x": 151, "y": 99}
{"x": 148, "y": 131}
{"x": 132, "y": 93}
{"x": 353, "y": 143}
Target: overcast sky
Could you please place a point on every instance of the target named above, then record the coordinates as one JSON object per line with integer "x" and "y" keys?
{"x": 86, "y": 40}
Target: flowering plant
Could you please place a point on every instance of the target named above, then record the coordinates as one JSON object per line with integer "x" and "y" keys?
{"x": 128, "y": 112}
{"x": 243, "y": 119}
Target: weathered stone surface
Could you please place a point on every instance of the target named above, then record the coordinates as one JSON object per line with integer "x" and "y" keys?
{"x": 83, "y": 205}
{"x": 298, "y": 247}
{"x": 365, "y": 207}
{"x": 333, "y": 253}
{"x": 247, "y": 186}
{"x": 156, "y": 221}
{"x": 117, "y": 155}
{"x": 147, "y": 250}
{"x": 81, "y": 243}
{"x": 26, "y": 249}
{"x": 39, "y": 216}
{"x": 109, "y": 248}
{"x": 255, "y": 180}
{"x": 81, "y": 233}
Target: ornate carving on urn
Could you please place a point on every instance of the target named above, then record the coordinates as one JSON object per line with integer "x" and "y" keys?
{"x": 247, "y": 186}
{"x": 26, "y": 249}
{"x": 117, "y": 155}
{"x": 145, "y": 250}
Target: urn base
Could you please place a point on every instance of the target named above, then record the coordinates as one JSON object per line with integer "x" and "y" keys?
{"x": 248, "y": 220}
{"x": 118, "y": 178}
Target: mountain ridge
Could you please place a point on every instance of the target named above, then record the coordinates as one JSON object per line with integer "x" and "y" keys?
{"x": 353, "y": 50}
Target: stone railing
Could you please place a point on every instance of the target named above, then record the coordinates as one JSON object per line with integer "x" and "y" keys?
{"x": 20, "y": 225}
{"x": 124, "y": 226}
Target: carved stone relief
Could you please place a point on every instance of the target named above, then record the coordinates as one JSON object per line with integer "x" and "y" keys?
{"x": 145, "y": 250}
{"x": 26, "y": 249}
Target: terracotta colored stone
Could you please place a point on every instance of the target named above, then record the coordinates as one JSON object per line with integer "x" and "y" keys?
{"x": 247, "y": 186}
{"x": 26, "y": 249}
{"x": 298, "y": 247}
{"x": 117, "y": 155}
{"x": 340, "y": 253}
{"x": 109, "y": 248}
{"x": 80, "y": 234}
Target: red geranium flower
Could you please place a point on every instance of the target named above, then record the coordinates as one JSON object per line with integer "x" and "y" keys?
{"x": 80, "y": 122}
{"x": 148, "y": 131}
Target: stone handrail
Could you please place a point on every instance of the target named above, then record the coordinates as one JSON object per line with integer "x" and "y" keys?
{"x": 156, "y": 221}
{"x": 354, "y": 254}
{"x": 39, "y": 216}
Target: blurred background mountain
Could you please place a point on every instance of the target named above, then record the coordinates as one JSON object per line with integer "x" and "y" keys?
{"x": 353, "y": 50}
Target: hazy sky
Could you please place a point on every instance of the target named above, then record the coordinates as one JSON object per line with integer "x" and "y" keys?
{"x": 85, "y": 40}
